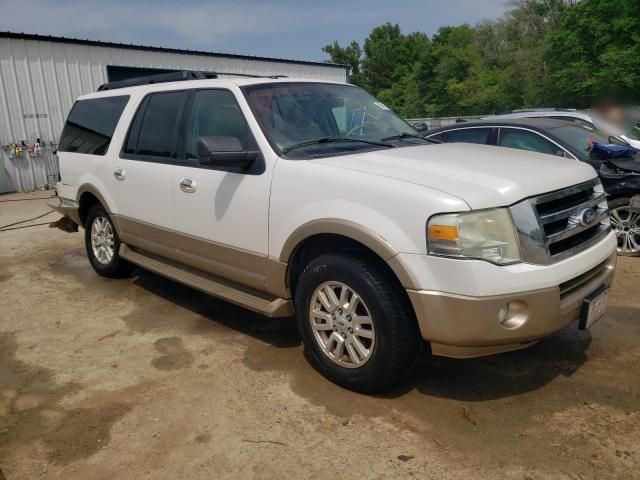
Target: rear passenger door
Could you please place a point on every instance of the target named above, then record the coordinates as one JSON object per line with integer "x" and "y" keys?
{"x": 221, "y": 213}
{"x": 141, "y": 179}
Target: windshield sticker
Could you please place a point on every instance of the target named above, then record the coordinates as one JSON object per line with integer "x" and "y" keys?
{"x": 381, "y": 106}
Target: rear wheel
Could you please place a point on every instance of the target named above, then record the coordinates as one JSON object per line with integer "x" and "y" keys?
{"x": 356, "y": 325}
{"x": 626, "y": 225}
{"x": 103, "y": 245}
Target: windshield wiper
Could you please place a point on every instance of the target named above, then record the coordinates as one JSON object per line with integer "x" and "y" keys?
{"x": 404, "y": 135}
{"x": 333, "y": 139}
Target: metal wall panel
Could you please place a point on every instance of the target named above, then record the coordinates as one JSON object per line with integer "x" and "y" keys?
{"x": 39, "y": 80}
{"x": 28, "y": 170}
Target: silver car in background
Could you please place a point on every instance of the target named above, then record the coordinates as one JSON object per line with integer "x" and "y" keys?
{"x": 581, "y": 117}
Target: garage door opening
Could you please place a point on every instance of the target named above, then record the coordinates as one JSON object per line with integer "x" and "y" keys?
{"x": 116, "y": 73}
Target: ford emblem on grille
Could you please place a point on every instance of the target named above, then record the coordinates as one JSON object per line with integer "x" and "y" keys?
{"x": 587, "y": 216}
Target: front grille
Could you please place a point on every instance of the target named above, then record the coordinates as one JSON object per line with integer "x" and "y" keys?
{"x": 571, "y": 200}
{"x": 549, "y": 225}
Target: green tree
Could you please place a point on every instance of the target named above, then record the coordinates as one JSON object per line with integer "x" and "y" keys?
{"x": 560, "y": 53}
{"x": 400, "y": 89}
{"x": 595, "y": 51}
{"x": 455, "y": 77}
{"x": 380, "y": 59}
{"x": 350, "y": 55}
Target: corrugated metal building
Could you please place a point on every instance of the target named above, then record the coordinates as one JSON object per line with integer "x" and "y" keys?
{"x": 40, "y": 76}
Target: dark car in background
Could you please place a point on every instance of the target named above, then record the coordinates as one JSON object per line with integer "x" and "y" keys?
{"x": 620, "y": 176}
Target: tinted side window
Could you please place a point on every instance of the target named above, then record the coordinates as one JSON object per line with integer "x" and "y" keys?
{"x": 90, "y": 125}
{"x": 467, "y": 135}
{"x": 524, "y": 140}
{"x": 131, "y": 143}
{"x": 156, "y": 126}
{"x": 216, "y": 113}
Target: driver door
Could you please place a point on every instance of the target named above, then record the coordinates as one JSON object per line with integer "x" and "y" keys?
{"x": 220, "y": 213}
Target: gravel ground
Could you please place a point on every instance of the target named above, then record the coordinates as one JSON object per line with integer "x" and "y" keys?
{"x": 143, "y": 378}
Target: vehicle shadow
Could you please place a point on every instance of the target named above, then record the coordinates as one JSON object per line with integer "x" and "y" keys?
{"x": 277, "y": 332}
{"x": 472, "y": 380}
{"x": 501, "y": 375}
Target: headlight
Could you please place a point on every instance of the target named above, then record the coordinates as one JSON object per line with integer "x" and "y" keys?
{"x": 486, "y": 235}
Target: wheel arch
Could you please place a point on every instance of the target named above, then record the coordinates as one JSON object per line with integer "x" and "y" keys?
{"x": 87, "y": 196}
{"x": 336, "y": 235}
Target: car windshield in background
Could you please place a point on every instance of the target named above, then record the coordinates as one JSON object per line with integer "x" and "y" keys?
{"x": 318, "y": 119}
{"x": 579, "y": 138}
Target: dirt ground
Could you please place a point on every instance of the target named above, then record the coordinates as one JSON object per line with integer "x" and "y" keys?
{"x": 144, "y": 378}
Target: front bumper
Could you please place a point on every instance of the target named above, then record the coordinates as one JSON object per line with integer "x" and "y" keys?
{"x": 464, "y": 326}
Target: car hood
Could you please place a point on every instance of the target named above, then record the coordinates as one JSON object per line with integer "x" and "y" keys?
{"x": 483, "y": 176}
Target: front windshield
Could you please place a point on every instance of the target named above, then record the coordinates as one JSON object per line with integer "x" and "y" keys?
{"x": 579, "y": 138}
{"x": 301, "y": 117}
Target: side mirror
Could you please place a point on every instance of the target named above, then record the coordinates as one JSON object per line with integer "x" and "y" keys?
{"x": 224, "y": 152}
{"x": 421, "y": 127}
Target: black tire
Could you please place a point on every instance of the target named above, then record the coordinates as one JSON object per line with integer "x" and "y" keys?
{"x": 117, "y": 267}
{"x": 615, "y": 204}
{"x": 397, "y": 337}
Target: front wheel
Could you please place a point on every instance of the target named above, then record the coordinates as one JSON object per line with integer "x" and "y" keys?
{"x": 356, "y": 325}
{"x": 626, "y": 226}
{"x": 103, "y": 245}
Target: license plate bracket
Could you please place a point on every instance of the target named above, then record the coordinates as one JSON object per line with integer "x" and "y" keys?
{"x": 594, "y": 307}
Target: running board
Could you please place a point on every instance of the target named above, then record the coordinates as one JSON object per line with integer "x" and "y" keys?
{"x": 260, "y": 303}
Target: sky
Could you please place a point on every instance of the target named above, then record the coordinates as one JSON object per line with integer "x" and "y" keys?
{"x": 278, "y": 28}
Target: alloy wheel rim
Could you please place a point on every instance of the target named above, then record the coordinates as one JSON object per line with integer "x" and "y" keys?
{"x": 626, "y": 225}
{"x": 102, "y": 240}
{"x": 342, "y": 324}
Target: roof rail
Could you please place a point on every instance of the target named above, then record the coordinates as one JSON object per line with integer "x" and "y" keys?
{"x": 178, "y": 76}
{"x": 542, "y": 109}
{"x": 251, "y": 75}
{"x": 159, "y": 78}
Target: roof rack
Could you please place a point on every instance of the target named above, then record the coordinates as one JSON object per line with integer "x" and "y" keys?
{"x": 179, "y": 76}
{"x": 249, "y": 75}
{"x": 159, "y": 78}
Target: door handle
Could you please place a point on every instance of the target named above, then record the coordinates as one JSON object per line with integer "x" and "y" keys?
{"x": 187, "y": 185}
{"x": 120, "y": 174}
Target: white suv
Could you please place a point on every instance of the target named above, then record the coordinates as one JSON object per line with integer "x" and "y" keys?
{"x": 314, "y": 198}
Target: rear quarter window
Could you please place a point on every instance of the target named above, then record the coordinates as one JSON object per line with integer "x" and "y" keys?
{"x": 90, "y": 125}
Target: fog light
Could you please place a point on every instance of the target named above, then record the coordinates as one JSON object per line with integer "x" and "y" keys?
{"x": 513, "y": 315}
